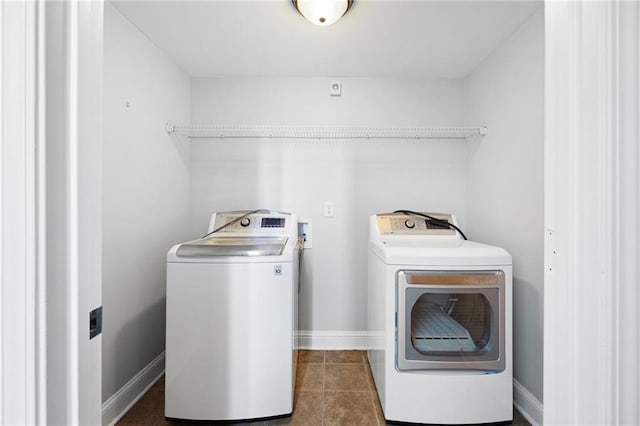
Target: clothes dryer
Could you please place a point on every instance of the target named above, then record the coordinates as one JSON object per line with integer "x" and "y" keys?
{"x": 440, "y": 322}
{"x": 231, "y": 319}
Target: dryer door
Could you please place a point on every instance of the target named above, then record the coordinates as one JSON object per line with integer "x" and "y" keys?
{"x": 451, "y": 320}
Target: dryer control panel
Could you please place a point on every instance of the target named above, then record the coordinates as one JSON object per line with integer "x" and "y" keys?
{"x": 409, "y": 224}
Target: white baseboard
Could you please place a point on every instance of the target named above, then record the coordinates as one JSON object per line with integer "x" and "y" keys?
{"x": 333, "y": 340}
{"x": 527, "y": 404}
{"x": 114, "y": 408}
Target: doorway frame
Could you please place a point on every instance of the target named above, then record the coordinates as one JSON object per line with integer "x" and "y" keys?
{"x": 50, "y": 195}
{"x": 592, "y": 232}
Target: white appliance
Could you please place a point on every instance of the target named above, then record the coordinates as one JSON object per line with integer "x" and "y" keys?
{"x": 440, "y": 322}
{"x": 231, "y": 319}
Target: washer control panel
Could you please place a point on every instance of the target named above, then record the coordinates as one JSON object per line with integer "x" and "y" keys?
{"x": 408, "y": 224}
{"x": 256, "y": 223}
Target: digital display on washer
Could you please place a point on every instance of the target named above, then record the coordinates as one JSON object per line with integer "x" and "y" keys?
{"x": 272, "y": 222}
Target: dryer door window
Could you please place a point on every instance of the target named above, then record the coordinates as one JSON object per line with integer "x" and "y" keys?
{"x": 445, "y": 324}
{"x": 451, "y": 320}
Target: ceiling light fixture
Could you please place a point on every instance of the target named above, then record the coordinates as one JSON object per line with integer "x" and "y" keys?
{"x": 322, "y": 12}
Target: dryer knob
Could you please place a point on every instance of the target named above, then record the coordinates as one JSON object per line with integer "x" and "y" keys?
{"x": 409, "y": 223}
{"x": 245, "y": 222}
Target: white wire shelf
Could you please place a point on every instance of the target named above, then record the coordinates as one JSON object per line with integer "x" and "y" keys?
{"x": 300, "y": 132}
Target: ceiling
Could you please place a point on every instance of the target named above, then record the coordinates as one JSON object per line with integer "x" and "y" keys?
{"x": 436, "y": 39}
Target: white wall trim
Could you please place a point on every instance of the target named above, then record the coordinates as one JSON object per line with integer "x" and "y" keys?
{"x": 114, "y": 408}
{"x": 591, "y": 337}
{"x": 85, "y": 203}
{"x": 22, "y": 354}
{"x": 579, "y": 144}
{"x": 528, "y": 405}
{"x": 332, "y": 340}
{"x": 73, "y": 228}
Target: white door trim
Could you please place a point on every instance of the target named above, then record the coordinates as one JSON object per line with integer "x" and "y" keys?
{"x": 591, "y": 213}
{"x": 74, "y": 138}
{"x": 22, "y": 307}
{"x": 87, "y": 201}
{"x": 50, "y": 372}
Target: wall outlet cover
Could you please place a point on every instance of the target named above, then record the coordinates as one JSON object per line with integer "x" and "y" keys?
{"x": 328, "y": 209}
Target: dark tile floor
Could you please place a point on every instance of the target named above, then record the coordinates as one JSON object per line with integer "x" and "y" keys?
{"x": 332, "y": 388}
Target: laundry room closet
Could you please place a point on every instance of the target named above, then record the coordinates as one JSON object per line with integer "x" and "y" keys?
{"x": 219, "y": 106}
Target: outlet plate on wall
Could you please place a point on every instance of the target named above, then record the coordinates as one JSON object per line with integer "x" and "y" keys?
{"x": 328, "y": 209}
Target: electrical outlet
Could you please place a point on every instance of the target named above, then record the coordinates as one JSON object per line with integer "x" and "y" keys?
{"x": 328, "y": 209}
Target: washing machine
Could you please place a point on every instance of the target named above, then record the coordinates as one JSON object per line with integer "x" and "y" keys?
{"x": 440, "y": 322}
{"x": 231, "y": 319}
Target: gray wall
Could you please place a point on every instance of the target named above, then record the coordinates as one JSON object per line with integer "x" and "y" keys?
{"x": 505, "y": 205}
{"x": 145, "y": 196}
{"x": 361, "y": 177}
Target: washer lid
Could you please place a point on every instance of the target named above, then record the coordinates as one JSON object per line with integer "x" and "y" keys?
{"x": 233, "y": 246}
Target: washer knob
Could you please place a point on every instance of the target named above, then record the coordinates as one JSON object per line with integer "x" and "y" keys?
{"x": 409, "y": 223}
{"x": 245, "y": 222}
